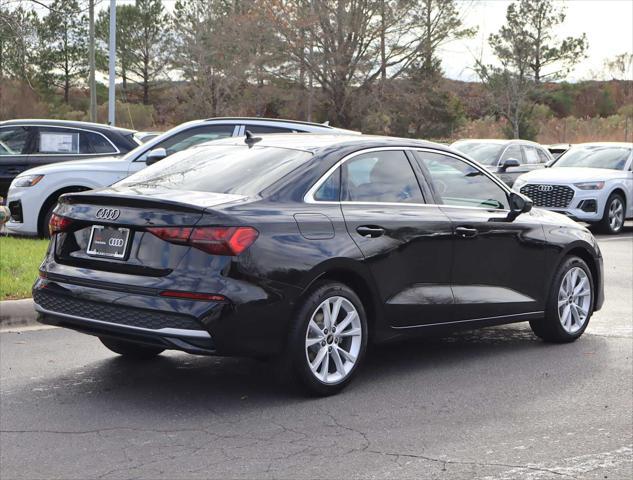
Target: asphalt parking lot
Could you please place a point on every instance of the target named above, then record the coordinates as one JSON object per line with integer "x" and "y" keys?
{"x": 491, "y": 404}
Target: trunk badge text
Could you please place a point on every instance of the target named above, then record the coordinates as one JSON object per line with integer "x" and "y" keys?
{"x": 108, "y": 213}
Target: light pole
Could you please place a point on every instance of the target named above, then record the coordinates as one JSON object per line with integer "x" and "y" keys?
{"x": 112, "y": 58}
{"x": 91, "y": 58}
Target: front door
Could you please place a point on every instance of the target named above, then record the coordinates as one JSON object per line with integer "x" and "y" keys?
{"x": 498, "y": 264}
{"x": 405, "y": 241}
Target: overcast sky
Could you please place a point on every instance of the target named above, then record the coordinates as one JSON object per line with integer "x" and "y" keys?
{"x": 607, "y": 23}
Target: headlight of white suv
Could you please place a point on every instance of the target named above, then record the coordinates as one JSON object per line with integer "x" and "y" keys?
{"x": 589, "y": 185}
{"x": 27, "y": 181}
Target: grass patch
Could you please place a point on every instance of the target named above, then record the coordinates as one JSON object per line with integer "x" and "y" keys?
{"x": 20, "y": 259}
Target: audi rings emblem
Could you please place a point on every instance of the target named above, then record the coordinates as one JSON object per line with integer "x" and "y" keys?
{"x": 116, "y": 242}
{"x": 545, "y": 188}
{"x": 108, "y": 213}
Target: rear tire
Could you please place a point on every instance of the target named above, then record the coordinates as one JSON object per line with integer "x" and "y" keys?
{"x": 613, "y": 218}
{"x": 131, "y": 350}
{"x": 325, "y": 354}
{"x": 570, "y": 303}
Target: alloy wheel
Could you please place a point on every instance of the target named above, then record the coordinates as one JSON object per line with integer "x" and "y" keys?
{"x": 333, "y": 340}
{"x": 616, "y": 214}
{"x": 574, "y": 299}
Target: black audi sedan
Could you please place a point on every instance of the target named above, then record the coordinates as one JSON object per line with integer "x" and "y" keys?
{"x": 306, "y": 248}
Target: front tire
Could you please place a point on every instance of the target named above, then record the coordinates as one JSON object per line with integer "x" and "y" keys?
{"x": 130, "y": 350}
{"x": 613, "y": 217}
{"x": 328, "y": 339}
{"x": 570, "y": 303}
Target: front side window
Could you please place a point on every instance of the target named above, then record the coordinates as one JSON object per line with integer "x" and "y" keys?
{"x": 190, "y": 137}
{"x": 460, "y": 184}
{"x": 531, "y": 155}
{"x": 512, "y": 152}
{"x": 485, "y": 153}
{"x": 380, "y": 177}
{"x": 13, "y": 140}
{"x": 544, "y": 158}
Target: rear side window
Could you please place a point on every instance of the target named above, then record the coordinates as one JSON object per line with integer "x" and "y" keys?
{"x": 381, "y": 177}
{"x": 13, "y": 140}
{"x": 267, "y": 129}
{"x": 221, "y": 169}
{"x": 92, "y": 142}
{"x": 329, "y": 191}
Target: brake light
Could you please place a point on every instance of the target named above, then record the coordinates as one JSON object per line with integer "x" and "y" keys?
{"x": 215, "y": 240}
{"x": 59, "y": 224}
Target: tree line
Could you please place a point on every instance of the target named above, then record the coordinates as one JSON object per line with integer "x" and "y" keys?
{"x": 369, "y": 64}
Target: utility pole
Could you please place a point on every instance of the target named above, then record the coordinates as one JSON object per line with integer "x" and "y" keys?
{"x": 91, "y": 59}
{"x": 112, "y": 58}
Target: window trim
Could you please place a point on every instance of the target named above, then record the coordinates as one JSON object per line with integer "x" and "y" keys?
{"x": 309, "y": 196}
{"x": 516, "y": 144}
{"x": 38, "y": 154}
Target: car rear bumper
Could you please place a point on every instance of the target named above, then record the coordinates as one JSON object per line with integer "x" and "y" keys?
{"x": 199, "y": 327}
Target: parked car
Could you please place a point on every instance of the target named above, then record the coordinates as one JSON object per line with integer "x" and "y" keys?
{"x": 33, "y": 194}
{"x": 307, "y": 247}
{"x": 505, "y": 158}
{"x": 26, "y": 144}
{"x": 558, "y": 149}
{"x": 591, "y": 182}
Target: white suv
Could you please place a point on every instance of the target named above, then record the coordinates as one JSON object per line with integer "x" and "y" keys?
{"x": 33, "y": 194}
{"x": 590, "y": 182}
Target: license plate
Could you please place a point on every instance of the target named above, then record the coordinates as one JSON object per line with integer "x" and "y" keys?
{"x": 108, "y": 242}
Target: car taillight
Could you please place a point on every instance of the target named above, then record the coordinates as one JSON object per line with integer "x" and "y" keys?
{"x": 59, "y": 224}
{"x": 215, "y": 240}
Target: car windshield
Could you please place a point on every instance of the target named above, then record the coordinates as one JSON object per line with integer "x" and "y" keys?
{"x": 484, "y": 153}
{"x": 232, "y": 169}
{"x": 595, "y": 156}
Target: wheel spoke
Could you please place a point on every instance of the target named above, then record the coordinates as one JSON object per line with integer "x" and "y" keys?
{"x": 338, "y": 362}
{"x": 352, "y": 332}
{"x": 318, "y": 360}
{"x": 581, "y": 309}
{"x": 566, "y": 316}
{"x": 574, "y": 314}
{"x": 336, "y": 308}
{"x": 313, "y": 327}
{"x": 325, "y": 366}
{"x": 581, "y": 286}
{"x": 345, "y": 322}
{"x": 313, "y": 341}
{"x": 347, "y": 355}
{"x": 327, "y": 315}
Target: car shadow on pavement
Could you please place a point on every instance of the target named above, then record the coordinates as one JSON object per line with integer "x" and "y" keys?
{"x": 508, "y": 355}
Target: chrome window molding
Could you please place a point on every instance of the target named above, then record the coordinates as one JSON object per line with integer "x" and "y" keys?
{"x": 309, "y": 196}
{"x": 116, "y": 150}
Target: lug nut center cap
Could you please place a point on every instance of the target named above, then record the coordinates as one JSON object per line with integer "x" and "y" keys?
{"x": 330, "y": 339}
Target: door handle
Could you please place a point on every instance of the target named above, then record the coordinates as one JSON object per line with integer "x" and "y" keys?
{"x": 466, "y": 232}
{"x": 370, "y": 231}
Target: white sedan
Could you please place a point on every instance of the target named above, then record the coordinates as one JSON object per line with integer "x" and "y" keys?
{"x": 591, "y": 182}
{"x": 33, "y": 193}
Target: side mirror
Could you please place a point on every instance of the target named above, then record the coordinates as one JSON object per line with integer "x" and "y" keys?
{"x": 155, "y": 155}
{"x": 509, "y": 163}
{"x": 519, "y": 204}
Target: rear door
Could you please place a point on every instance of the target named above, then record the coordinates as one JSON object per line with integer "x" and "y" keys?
{"x": 498, "y": 265}
{"x": 405, "y": 241}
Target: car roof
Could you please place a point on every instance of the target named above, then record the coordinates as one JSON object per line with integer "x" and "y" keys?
{"x": 604, "y": 144}
{"x": 315, "y": 142}
{"x": 324, "y": 126}
{"x": 500, "y": 141}
{"x": 67, "y": 123}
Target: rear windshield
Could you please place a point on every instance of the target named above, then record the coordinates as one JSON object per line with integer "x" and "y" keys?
{"x": 597, "y": 156}
{"x": 219, "y": 169}
{"x": 484, "y": 153}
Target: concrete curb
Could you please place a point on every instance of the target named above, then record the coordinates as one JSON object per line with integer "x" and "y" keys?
{"x": 17, "y": 313}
